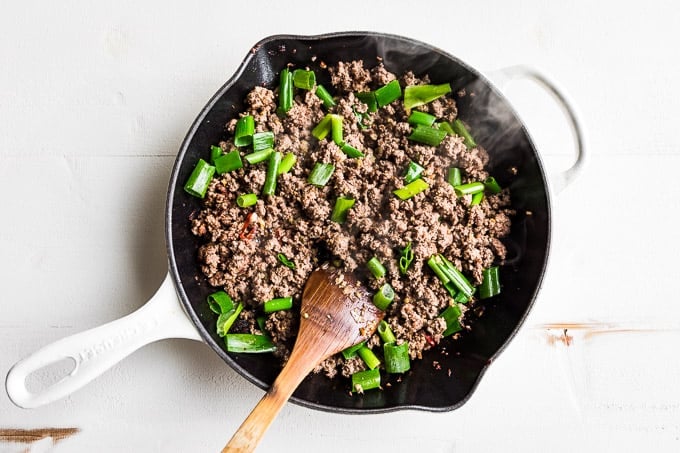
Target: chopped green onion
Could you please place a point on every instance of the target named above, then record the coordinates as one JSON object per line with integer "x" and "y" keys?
{"x": 262, "y": 324}
{"x": 228, "y": 162}
{"x": 263, "y": 140}
{"x": 258, "y": 156}
{"x": 199, "y": 180}
{"x": 477, "y": 198}
{"x": 325, "y": 96}
{"x": 446, "y": 127}
{"x": 215, "y": 152}
{"x": 246, "y": 200}
{"x": 388, "y": 93}
{"x": 350, "y": 352}
{"x": 285, "y": 91}
{"x": 368, "y": 98}
{"x": 383, "y": 297}
{"x": 422, "y": 118}
{"x": 320, "y": 174}
{"x": 455, "y": 178}
{"x": 411, "y": 189}
{"x": 427, "y": 135}
{"x": 452, "y": 317}
{"x": 469, "y": 188}
{"x": 336, "y": 129}
{"x": 396, "y": 357}
{"x": 281, "y": 303}
{"x": 461, "y": 130}
{"x": 365, "y": 380}
{"x": 413, "y": 172}
{"x": 249, "y": 343}
{"x": 285, "y": 261}
{"x": 461, "y": 298}
{"x": 447, "y": 272}
{"x": 491, "y": 284}
{"x": 341, "y": 208}
{"x": 323, "y": 128}
{"x": 269, "y": 186}
{"x": 243, "y": 134}
{"x": 287, "y": 163}
{"x": 406, "y": 258}
{"x": 491, "y": 185}
{"x": 226, "y": 320}
{"x": 368, "y": 357}
{"x": 304, "y": 79}
{"x": 416, "y": 95}
{"x": 220, "y": 302}
{"x": 386, "y": 333}
{"x": 351, "y": 151}
{"x": 376, "y": 267}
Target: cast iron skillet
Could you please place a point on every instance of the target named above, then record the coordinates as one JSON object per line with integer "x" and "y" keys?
{"x": 424, "y": 387}
{"x": 494, "y": 125}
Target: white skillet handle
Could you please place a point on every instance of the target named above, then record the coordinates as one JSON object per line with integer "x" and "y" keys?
{"x": 501, "y": 77}
{"x": 96, "y": 350}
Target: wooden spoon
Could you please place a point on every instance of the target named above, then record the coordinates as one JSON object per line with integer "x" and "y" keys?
{"x": 336, "y": 313}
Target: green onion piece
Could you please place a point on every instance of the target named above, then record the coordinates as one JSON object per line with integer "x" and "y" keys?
{"x": 368, "y": 357}
{"x": 427, "y": 135}
{"x": 226, "y": 320}
{"x": 285, "y": 261}
{"x": 365, "y": 380}
{"x": 281, "y": 303}
{"x": 452, "y": 317}
{"x": 325, "y": 96}
{"x": 246, "y": 200}
{"x": 422, "y": 118}
{"x": 446, "y": 127}
{"x": 287, "y": 163}
{"x": 336, "y": 129}
{"x": 469, "y": 188}
{"x": 383, "y": 297}
{"x": 461, "y": 130}
{"x": 341, "y": 208}
{"x": 447, "y": 272}
{"x": 351, "y": 151}
{"x": 491, "y": 284}
{"x": 388, "y": 93}
{"x": 220, "y": 302}
{"x": 396, "y": 357}
{"x": 215, "y": 152}
{"x": 323, "y": 128}
{"x": 243, "y": 134}
{"x": 413, "y": 172}
{"x": 491, "y": 185}
{"x": 376, "y": 267}
{"x": 416, "y": 95}
{"x": 461, "y": 298}
{"x": 269, "y": 186}
{"x": 263, "y": 140}
{"x": 411, "y": 189}
{"x": 477, "y": 198}
{"x": 368, "y": 98}
{"x": 304, "y": 79}
{"x": 249, "y": 343}
{"x": 455, "y": 178}
{"x": 228, "y": 162}
{"x": 350, "y": 352}
{"x": 199, "y": 180}
{"x": 262, "y": 324}
{"x": 285, "y": 91}
{"x": 258, "y": 156}
{"x": 405, "y": 259}
{"x": 386, "y": 333}
{"x": 320, "y": 174}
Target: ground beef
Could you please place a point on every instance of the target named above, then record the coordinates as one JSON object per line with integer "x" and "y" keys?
{"x": 296, "y": 221}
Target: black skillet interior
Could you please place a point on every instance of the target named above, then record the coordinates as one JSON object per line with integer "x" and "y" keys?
{"x": 494, "y": 124}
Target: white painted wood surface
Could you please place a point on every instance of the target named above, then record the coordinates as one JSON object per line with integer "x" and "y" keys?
{"x": 95, "y": 98}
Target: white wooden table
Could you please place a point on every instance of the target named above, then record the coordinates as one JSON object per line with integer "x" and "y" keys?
{"x": 95, "y": 98}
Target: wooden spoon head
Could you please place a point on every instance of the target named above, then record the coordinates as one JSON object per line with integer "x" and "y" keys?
{"x": 337, "y": 312}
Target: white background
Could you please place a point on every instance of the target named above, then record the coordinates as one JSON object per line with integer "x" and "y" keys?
{"x": 95, "y": 98}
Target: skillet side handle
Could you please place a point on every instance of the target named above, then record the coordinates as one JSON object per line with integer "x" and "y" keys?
{"x": 96, "y": 350}
{"x": 502, "y": 77}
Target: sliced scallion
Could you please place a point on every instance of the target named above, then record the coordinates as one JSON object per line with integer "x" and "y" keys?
{"x": 336, "y": 129}
{"x": 243, "y": 134}
{"x": 446, "y": 127}
{"x": 220, "y": 302}
{"x": 287, "y": 163}
{"x": 411, "y": 189}
{"x": 351, "y": 151}
{"x": 491, "y": 284}
{"x": 422, "y": 118}
{"x": 215, "y": 152}
{"x": 322, "y": 129}
{"x": 477, "y": 198}
{"x": 413, "y": 172}
{"x": 285, "y": 261}
{"x": 427, "y": 135}
{"x": 304, "y": 79}
{"x": 455, "y": 178}
{"x": 350, "y": 352}
{"x": 406, "y": 258}
{"x": 321, "y": 174}
{"x": 199, "y": 180}
{"x": 470, "y": 188}
{"x": 416, "y": 95}
{"x": 263, "y": 140}
{"x": 491, "y": 185}
{"x": 258, "y": 156}
{"x": 228, "y": 162}
{"x": 281, "y": 303}
{"x": 325, "y": 96}
{"x": 285, "y": 91}
{"x": 460, "y": 129}
{"x": 269, "y": 186}
{"x": 246, "y": 200}
{"x": 448, "y": 273}
{"x": 341, "y": 208}
{"x": 396, "y": 356}
{"x": 375, "y": 266}
{"x": 369, "y": 357}
{"x": 386, "y": 333}
{"x": 226, "y": 320}
{"x": 388, "y": 93}
{"x": 249, "y": 343}
{"x": 452, "y": 317}
{"x": 383, "y": 297}
{"x": 368, "y": 98}
{"x": 365, "y": 380}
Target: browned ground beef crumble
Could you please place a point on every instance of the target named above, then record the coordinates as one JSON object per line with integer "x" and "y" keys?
{"x": 296, "y": 221}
